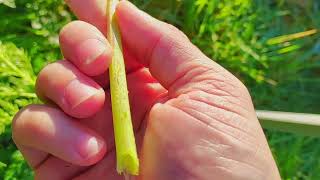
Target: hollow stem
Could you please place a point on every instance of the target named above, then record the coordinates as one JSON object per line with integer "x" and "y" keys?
{"x": 126, "y": 153}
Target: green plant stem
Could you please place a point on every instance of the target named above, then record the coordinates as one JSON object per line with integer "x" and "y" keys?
{"x": 127, "y": 159}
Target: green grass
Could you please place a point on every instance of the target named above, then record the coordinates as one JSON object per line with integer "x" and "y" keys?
{"x": 281, "y": 73}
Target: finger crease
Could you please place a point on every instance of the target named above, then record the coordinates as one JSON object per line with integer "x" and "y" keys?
{"x": 37, "y": 166}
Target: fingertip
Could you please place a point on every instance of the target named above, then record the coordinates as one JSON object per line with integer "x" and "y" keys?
{"x": 86, "y": 47}
{"x": 91, "y": 150}
{"x": 17, "y": 124}
{"x": 49, "y": 130}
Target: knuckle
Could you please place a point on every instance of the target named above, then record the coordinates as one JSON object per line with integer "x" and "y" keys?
{"x": 75, "y": 26}
{"x": 53, "y": 68}
{"x": 32, "y": 120}
{"x": 176, "y": 32}
{"x": 45, "y": 73}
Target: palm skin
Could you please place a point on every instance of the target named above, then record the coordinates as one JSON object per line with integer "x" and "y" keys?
{"x": 192, "y": 118}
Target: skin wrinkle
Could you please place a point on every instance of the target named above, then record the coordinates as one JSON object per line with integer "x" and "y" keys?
{"x": 192, "y": 76}
{"x": 149, "y": 53}
{"x": 204, "y": 123}
{"x": 205, "y": 99}
{"x": 219, "y": 83}
{"x": 212, "y": 91}
{"x": 205, "y": 87}
{"x": 213, "y": 81}
{"x": 208, "y": 83}
{"x": 259, "y": 171}
{"x": 81, "y": 172}
{"x": 215, "y": 102}
{"x": 79, "y": 175}
{"x": 248, "y": 156}
{"x": 265, "y": 155}
{"x": 210, "y": 75}
{"x": 176, "y": 47}
{"x": 50, "y": 157}
{"x": 221, "y": 168}
{"x": 178, "y": 74}
{"x": 40, "y": 163}
{"x": 45, "y": 77}
{"x": 204, "y": 147}
{"x": 222, "y": 156}
{"x": 159, "y": 99}
{"x": 234, "y": 96}
{"x": 208, "y": 125}
{"x": 174, "y": 30}
{"x": 173, "y": 93}
{"x": 191, "y": 70}
{"x": 215, "y": 147}
{"x": 192, "y": 112}
{"x": 149, "y": 106}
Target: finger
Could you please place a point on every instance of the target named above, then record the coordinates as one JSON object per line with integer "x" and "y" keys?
{"x": 46, "y": 166}
{"x": 143, "y": 93}
{"x": 33, "y": 157}
{"x": 140, "y": 87}
{"x": 56, "y": 169}
{"x": 49, "y": 130}
{"x": 164, "y": 49}
{"x": 105, "y": 169}
{"x": 86, "y": 47}
{"x": 77, "y": 94}
{"x": 93, "y": 12}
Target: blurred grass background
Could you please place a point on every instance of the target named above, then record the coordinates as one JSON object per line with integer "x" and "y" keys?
{"x": 256, "y": 40}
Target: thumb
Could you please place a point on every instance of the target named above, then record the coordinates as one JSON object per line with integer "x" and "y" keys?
{"x": 161, "y": 47}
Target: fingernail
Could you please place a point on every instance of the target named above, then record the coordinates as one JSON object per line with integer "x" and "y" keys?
{"x": 78, "y": 91}
{"x": 90, "y": 146}
{"x": 90, "y": 50}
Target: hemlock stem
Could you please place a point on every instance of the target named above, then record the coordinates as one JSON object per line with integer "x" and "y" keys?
{"x": 126, "y": 153}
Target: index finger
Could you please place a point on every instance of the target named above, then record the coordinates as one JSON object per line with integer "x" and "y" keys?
{"x": 91, "y": 11}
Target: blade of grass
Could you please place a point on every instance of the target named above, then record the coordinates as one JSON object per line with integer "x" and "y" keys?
{"x": 127, "y": 158}
{"x": 289, "y": 37}
{"x": 288, "y": 49}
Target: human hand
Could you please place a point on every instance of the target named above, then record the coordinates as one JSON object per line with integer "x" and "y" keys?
{"x": 192, "y": 118}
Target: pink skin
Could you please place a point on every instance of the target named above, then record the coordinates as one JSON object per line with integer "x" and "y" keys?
{"x": 193, "y": 119}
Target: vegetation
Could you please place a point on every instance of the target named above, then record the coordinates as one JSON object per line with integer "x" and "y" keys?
{"x": 254, "y": 39}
